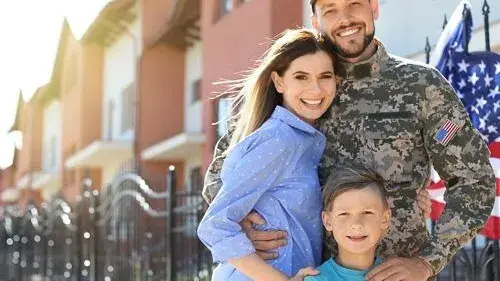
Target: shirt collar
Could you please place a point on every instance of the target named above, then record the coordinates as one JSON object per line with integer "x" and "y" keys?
{"x": 353, "y": 272}
{"x": 291, "y": 119}
{"x": 370, "y": 67}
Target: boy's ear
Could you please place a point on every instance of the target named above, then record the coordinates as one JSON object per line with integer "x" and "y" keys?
{"x": 278, "y": 82}
{"x": 325, "y": 216}
{"x": 386, "y": 219}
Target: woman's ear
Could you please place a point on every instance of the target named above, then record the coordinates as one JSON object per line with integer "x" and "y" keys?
{"x": 278, "y": 82}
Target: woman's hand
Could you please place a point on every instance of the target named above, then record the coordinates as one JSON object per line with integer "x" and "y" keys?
{"x": 303, "y": 273}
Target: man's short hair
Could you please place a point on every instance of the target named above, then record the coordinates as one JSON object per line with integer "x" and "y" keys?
{"x": 313, "y": 5}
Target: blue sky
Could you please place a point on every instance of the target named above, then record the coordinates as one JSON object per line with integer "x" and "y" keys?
{"x": 30, "y": 32}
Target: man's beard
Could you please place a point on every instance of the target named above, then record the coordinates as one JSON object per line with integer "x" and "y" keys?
{"x": 368, "y": 38}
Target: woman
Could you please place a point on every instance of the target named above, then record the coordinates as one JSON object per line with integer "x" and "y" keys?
{"x": 272, "y": 163}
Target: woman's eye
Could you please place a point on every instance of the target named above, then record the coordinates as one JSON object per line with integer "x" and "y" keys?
{"x": 301, "y": 77}
{"x": 327, "y": 12}
{"x": 328, "y": 76}
{"x": 368, "y": 212}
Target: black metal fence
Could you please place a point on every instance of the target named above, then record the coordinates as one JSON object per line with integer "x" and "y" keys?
{"x": 129, "y": 232}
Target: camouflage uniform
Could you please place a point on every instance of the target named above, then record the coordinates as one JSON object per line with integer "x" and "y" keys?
{"x": 385, "y": 116}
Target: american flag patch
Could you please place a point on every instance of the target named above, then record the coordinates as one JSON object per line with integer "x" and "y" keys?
{"x": 446, "y": 132}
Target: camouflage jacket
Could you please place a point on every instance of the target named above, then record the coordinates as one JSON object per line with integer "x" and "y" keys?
{"x": 388, "y": 115}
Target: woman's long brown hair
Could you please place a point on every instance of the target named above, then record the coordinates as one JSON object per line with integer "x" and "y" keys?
{"x": 258, "y": 94}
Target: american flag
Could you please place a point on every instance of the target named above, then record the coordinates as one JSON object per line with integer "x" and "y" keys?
{"x": 475, "y": 76}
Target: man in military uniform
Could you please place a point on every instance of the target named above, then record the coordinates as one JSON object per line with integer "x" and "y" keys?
{"x": 396, "y": 117}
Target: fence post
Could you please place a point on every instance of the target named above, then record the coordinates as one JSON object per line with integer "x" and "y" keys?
{"x": 496, "y": 249}
{"x": 86, "y": 233}
{"x": 171, "y": 183}
{"x": 427, "y": 50}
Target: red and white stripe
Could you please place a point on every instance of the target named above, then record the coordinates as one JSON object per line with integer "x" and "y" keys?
{"x": 437, "y": 190}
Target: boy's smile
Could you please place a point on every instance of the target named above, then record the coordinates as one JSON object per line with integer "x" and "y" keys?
{"x": 357, "y": 238}
{"x": 358, "y": 220}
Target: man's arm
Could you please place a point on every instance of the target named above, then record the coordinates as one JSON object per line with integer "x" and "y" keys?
{"x": 461, "y": 159}
{"x": 212, "y": 182}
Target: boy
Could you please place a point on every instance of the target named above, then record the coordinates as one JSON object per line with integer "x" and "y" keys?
{"x": 356, "y": 217}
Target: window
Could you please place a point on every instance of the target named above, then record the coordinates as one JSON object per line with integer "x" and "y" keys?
{"x": 196, "y": 91}
{"x": 226, "y": 6}
{"x": 128, "y": 107}
{"x": 53, "y": 152}
{"x": 111, "y": 112}
{"x": 223, "y": 113}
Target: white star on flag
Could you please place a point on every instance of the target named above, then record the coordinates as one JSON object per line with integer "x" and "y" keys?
{"x": 497, "y": 68}
{"x": 482, "y": 123}
{"x": 487, "y": 80}
{"x": 492, "y": 129}
{"x": 474, "y": 109}
{"x": 462, "y": 66}
{"x": 494, "y": 92}
{"x": 496, "y": 106}
{"x": 481, "y": 102}
{"x": 482, "y": 66}
{"x": 450, "y": 64}
{"x": 473, "y": 78}
{"x": 462, "y": 83}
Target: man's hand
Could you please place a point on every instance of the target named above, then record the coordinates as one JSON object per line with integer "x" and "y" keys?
{"x": 424, "y": 202}
{"x": 263, "y": 241}
{"x": 303, "y": 273}
{"x": 400, "y": 269}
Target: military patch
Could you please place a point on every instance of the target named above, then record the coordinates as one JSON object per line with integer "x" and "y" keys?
{"x": 446, "y": 133}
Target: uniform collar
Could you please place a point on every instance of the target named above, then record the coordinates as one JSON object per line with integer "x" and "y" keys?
{"x": 370, "y": 67}
{"x": 291, "y": 119}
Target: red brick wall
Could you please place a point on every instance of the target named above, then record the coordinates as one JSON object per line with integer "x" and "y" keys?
{"x": 162, "y": 95}
{"x": 155, "y": 19}
{"x": 81, "y": 109}
{"x": 161, "y": 106}
{"x": 29, "y": 157}
{"x": 232, "y": 43}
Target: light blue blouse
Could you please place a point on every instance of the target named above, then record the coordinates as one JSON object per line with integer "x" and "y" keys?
{"x": 274, "y": 172}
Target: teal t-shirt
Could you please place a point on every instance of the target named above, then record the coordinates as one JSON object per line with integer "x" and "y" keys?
{"x": 332, "y": 271}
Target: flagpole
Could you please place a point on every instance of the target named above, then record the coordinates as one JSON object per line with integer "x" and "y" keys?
{"x": 486, "y": 14}
{"x": 465, "y": 17}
